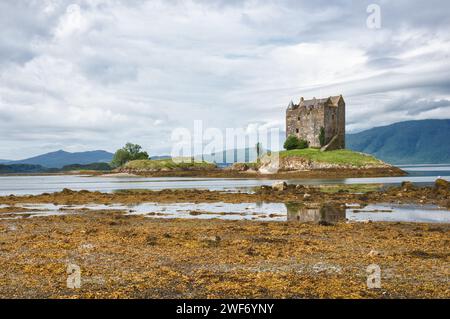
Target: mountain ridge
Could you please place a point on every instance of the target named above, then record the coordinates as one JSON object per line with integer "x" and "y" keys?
{"x": 61, "y": 158}
{"x": 408, "y": 142}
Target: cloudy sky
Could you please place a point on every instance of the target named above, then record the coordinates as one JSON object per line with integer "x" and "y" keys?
{"x": 83, "y": 75}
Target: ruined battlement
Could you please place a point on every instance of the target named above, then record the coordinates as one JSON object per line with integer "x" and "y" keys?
{"x": 321, "y": 122}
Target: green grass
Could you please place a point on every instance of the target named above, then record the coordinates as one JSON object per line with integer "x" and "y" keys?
{"x": 167, "y": 164}
{"x": 336, "y": 157}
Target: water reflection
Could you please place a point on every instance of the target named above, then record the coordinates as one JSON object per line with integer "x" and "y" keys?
{"x": 259, "y": 211}
{"x": 316, "y": 213}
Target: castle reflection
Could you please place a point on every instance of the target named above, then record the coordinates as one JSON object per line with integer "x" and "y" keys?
{"x": 316, "y": 213}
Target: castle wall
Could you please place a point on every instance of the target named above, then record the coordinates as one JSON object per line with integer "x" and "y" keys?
{"x": 331, "y": 123}
{"x": 335, "y": 125}
{"x": 305, "y": 123}
{"x": 341, "y": 123}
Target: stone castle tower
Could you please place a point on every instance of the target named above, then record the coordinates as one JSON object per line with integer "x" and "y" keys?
{"x": 310, "y": 119}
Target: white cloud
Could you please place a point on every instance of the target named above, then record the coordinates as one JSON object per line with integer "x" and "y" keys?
{"x": 95, "y": 74}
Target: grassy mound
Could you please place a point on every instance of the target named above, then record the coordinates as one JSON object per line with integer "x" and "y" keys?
{"x": 344, "y": 157}
{"x": 166, "y": 164}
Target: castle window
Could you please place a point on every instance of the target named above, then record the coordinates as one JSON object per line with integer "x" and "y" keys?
{"x": 332, "y": 116}
{"x": 298, "y": 118}
{"x": 297, "y": 130}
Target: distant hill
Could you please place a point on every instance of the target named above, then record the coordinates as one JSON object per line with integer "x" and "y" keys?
{"x": 226, "y": 157}
{"x": 411, "y": 142}
{"x": 61, "y": 158}
{"x": 21, "y": 168}
{"x": 4, "y": 161}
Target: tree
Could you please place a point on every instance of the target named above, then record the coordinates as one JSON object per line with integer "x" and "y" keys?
{"x": 322, "y": 136}
{"x": 293, "y": 142}
{"x": 129, "y": 152}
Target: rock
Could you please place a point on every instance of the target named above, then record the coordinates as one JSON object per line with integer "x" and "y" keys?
{"x": 251, "y": 252}
{"x": 363, "y": 197}
{"x": 325, "y": 223}
{"x": 239, "y": 167}
{"x": 441, "y": 184}
{"x": 211, "y": 240}
{"x": 447, "y": 204}
{"x": 280, "y": 186}
{"x": 87, "y": 246}
{"x": 306, "y": 195}
{"x": 269, "y": 165}
{"x": 407, "y": 186}
{"x": 373, "y": 253}
{"x": 12, "y": 228}
{"x": 327, "y": 268}
{"x": 67, "y": 191}
{"x": 151, "y": 240}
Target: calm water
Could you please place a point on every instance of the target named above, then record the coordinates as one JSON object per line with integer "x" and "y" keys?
{"x": 28, "y": 185}
{"x": 276, "y": 212}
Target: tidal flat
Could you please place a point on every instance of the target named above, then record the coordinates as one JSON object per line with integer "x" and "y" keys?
{"x": 125, "y": 255}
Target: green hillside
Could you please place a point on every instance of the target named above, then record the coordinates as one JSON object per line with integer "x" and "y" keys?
{"x": 165, "y": 164}
{"x": 345, "y": 157}
{"x": 412, "y": 142}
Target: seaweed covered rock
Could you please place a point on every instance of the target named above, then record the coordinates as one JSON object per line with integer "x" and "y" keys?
{"x": 280, "y": 186}
{"x": 442, "y": 184}
{"x": 407, "y": 186}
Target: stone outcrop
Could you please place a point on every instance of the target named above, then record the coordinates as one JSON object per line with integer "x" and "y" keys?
{"x": 280, "y": 186}
{"x": 295, "y": 163}
{"x": 442, "y": 185}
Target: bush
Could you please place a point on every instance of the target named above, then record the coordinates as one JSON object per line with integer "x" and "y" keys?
{"x": 302, "y": 144}
{"x": 293, "y": 143}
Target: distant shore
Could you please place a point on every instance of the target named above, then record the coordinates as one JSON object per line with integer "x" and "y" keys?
{"x": 223, "y": 173}
{"x": 322, "y": 173}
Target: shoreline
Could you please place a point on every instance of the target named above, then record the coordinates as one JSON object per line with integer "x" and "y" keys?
{"x": 227, "y": 173}
{"x": 318, "y": 173}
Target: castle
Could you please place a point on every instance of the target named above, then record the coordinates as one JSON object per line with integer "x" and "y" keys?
{"x": 321, "y": 122}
